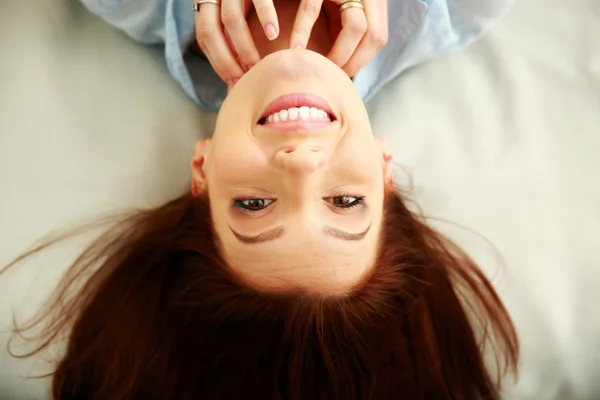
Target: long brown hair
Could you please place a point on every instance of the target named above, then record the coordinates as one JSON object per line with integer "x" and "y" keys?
{"x": 151, "y": 311}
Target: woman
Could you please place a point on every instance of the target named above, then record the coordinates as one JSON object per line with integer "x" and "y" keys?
{"x": 292, "y": 269}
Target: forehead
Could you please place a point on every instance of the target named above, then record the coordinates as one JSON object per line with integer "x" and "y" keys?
{"x": 326, "y": 264}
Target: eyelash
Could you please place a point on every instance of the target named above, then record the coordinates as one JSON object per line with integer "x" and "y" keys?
{"x": 359, "y": 200}
{"x": 239, "y": 203}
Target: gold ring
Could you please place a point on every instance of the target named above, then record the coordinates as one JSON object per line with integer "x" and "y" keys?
{"x": 200, "y": 2}
{"x": 351, "y": 4}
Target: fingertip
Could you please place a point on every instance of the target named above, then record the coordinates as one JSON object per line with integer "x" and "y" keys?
{"x": 271, "y": 31}
{"x": 350, "y": 72}
{"x": 296, "y": 42}
{"x": 231, "y": 82}
{"x": 336, "y": 62}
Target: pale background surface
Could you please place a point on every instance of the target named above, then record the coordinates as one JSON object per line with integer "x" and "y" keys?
{"x": 503, "y": 138}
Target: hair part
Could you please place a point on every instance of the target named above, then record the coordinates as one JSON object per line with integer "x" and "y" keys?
{"x": 151, "y": 310}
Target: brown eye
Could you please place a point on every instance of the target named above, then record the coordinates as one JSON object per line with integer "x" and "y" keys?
{"x": 346, "y": 201}
{"x": 253, "y": 204}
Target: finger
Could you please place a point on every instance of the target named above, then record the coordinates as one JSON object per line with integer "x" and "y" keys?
{"x": 234, "y": 52}
{"x": 354, "y": 26}
{"x": 307, "y": 15}
{"x": 265, "y": 10}
{"x": 373, "y": 41}
{"x": 211, "y": 39}
{"x": 238, "y": 33}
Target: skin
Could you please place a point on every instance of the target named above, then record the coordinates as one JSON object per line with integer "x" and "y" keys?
{"x": 300, "y": 177}
{"x": 321, "y": 41}
{"x": 223, "y": 34}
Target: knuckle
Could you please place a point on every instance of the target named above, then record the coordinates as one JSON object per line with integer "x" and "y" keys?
{"x": 311, "y": 7}
{"x": 224, "y": 78}
{"x": 230, "y": 18}
{"x": 303, "y": 32}
{"x": 358, "y": 28}
{"x": 203, "y": 33}
{"x": 225, "y": 67}
{"x": 202, "y": 46}
{"x": 224, "y": 72}
{"x": 246, "y": 56}
{"x": 378, "y": 39}
{"x": 263, "y": 9}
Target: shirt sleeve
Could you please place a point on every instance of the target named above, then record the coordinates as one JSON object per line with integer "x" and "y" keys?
{"x": 463, "y": 21}
{"x": 171, "y": 23}
{"x": 143, "y": 20}
{"x": 475, "y": 15}
{"x": 420, "y": 30}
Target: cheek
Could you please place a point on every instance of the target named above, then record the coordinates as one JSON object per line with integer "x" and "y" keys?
{"x": 363, "y": 158}
{"x": 234, "y": 162}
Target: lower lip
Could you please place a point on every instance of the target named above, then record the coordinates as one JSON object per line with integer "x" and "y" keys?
{"x": 298, "y": 126}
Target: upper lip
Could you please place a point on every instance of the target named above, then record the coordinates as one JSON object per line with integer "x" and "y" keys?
{"x": 297, "y": 100}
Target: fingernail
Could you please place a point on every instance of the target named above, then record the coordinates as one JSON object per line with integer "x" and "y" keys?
{"x": 270, "y": 31}
{"x": 298, "y": 46}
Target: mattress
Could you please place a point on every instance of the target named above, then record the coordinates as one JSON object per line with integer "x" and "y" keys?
{"x": 501, "y": 142}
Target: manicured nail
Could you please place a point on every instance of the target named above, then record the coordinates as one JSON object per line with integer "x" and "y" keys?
{"x": 270, "y": 31}
{"x": 298, "y": 46}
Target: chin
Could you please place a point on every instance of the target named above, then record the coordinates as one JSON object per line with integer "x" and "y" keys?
{"x": 299, "y": 54}
{"x": 294, "y": 63}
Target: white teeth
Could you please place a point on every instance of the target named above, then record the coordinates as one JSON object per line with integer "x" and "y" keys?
{"x": 293, "y": 114}
{"x": 304, "y": 112}
{"x": 283, "y": 114}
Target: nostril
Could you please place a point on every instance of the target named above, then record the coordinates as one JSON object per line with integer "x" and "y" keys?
{"x": 288, "y": 150}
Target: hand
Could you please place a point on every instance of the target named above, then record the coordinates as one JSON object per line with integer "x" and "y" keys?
{"x": 359, "y": 34}
{"x": 224, "y": 38}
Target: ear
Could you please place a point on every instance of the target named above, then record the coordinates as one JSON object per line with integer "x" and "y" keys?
{"x": 197, "y": 165}
{"x": 387, "y": 160}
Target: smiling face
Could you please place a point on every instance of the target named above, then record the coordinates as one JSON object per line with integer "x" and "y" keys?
{"x": 296, "y": 204}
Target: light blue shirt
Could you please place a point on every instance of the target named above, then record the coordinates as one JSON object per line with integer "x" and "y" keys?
{"x": 418, "y": 30}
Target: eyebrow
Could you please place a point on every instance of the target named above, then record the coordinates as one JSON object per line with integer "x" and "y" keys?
{"x": 275, "y": 233}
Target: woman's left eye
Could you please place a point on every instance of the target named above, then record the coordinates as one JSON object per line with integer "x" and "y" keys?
{"x": 346, "y": 201}
{"x": 253, "y": 204}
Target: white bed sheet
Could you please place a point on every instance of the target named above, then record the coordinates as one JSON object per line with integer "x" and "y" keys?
{"x": 502, "y": 138}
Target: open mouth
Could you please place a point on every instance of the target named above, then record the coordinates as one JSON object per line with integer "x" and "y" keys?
{"x": 297, "y": 107}
{"x": 303, "y": 113}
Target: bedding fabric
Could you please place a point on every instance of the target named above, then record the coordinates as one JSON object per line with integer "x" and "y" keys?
{"x": 502, "y": 138}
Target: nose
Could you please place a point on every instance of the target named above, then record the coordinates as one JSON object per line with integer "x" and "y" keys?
{"x": 302, "y": 159}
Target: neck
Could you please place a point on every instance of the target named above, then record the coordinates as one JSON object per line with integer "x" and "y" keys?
{"x": 320, "y": 38}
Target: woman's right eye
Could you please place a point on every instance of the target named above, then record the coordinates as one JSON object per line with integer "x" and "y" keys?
{"x": 253, "y": 204}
